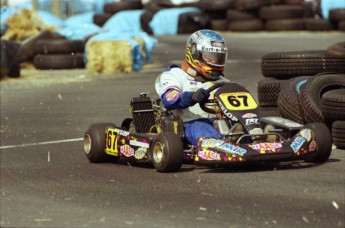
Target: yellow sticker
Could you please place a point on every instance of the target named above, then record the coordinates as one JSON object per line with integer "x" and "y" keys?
{"x": 111, "y": 141}
{"x": 238, "y": 101}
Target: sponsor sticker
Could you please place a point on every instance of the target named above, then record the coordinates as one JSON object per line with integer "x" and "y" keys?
{"x": 123, "y": 133}
{"x": 227, "y": 112}
{"x": 312, "y": 146}
{"x": 172, "y": 95}
{"x": 249, "y": 115}
{"x": 233, "y": 149}
{"x": 256, "y": 131}
{"x": 266, "y": 146}
{"x": 297, "y": 143}
{"x": 209, "y": 155}
{"x": 306, "y": 133}
{"x": 252, "y": 121}
{"x": 140, "y": 153}
{"x": 127, "y": 150}
{"x": 138, "y": 144}
{"x": 208, "y": 143}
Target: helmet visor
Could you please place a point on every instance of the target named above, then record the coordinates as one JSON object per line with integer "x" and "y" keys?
{"x": 215, "y": 59}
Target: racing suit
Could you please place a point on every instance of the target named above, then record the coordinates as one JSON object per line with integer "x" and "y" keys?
{"x": 181, "y": 93}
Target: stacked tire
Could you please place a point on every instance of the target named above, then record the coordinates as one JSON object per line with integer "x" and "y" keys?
{"x": 59, "y": 54}
{"x": 311, "y": 87}
{"x": 235, "y": 15}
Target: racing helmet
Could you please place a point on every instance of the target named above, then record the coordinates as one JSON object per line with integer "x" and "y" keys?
{"x": 206, "y": 53}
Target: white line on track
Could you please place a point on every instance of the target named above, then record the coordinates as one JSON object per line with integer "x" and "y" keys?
{"x": 41, "y": 143}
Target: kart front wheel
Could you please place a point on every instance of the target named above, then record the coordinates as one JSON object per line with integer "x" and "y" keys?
{"x": 322, "y": 136}
{"x": 167, "y": 152}
{"x": 94, "y": 143}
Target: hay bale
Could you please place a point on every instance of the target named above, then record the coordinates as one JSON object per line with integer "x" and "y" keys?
{"x": 23, "y": 25}
{"x": 113, "y": 56}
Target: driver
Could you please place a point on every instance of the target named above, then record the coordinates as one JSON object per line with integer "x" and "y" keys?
{"x": 183, "y": 88}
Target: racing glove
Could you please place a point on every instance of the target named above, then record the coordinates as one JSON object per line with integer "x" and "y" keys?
{"x": 200, "y": 96}
{"x": 173, "y": 99}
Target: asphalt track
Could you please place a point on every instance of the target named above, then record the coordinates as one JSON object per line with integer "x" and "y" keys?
{"x": 46, "y": 180}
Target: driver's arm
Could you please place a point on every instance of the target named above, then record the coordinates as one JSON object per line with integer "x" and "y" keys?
{"x": 174, "y": 99}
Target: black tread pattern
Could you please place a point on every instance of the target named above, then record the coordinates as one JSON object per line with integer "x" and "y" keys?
{"x": 312, "y": 91}
{"x": 333, "y": 104}
{"x": 288, "y": 100}
{"x": 269, "y": 111}
{"x": 59, "y": 46}
{"x": 268, "y": 90}
{"x": 338, "y": 134}
{"x": 298, "y": 63}
{"x": 281, "y": 12}
{"x": 61, "y": 61}
{"x": 245, "y": 25}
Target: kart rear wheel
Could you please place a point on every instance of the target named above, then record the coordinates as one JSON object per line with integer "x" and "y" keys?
{"x": 94, "y": 143}
{"x": 167, "y": 152}
{"x": 322, "y": 136}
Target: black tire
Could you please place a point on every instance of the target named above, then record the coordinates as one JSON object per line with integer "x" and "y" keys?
{"x": 332, "y": 104}
{"x": 323, "y": 138}
{"x": 28, "y": 46}
{"x": 194, "y": 20}
{"x": 249, "y": 4}
{"x": 293, "y": 2}
{"x": 269, "y": 111}
{"x": 268, "y": 90}
{"x": 48, "y": 46}
{"x": 126, "y": 123}
{"x": 94, "y": 143}
{"x": 245, "y": 25}
{"x": 14, "y": 71}
{"x": 337, "y": 47}
{"x": 338, "y": 134}
{"x": 336, "y": 15}
{"x": 9, "y": 62}
{"x": 236, "y": 15}
{"x": 312, "y": 24}
{"x": 100, "y": 18}
{"x": 285, "y": 25}
{"x": 167, "y": 152}
{"x": 286, "y": 65}
{"x": 312, "y": 91}
{"x": 115, "y": 7}
{"x": 219, "y": 24}
{"x": 280, "y": 12}
{"x": 215, "y": 5}
{"x": 341, "y": 25}
{"x": 63, "y": 61}
{"x": 288, "y": 103}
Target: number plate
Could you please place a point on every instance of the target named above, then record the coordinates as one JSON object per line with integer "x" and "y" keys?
{"x": 238, "y": 101}
{"x": 111, "y": 142}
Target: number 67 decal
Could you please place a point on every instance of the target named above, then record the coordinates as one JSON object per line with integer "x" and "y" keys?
{"x": 238, "y": 101}
{"x": 111, "y": 142}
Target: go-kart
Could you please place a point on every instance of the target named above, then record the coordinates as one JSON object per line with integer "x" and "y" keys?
{"x": 156, "y": 135}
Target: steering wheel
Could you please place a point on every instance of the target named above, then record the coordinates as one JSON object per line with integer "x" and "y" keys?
{"x": 211, "y": 89}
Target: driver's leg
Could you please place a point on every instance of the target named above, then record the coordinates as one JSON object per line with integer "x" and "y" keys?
{"x": 202, "y": 127}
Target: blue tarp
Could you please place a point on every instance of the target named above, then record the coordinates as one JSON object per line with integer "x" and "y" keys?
{"x": 79, "y": 31}
{"x": 165, "y": 22}
{"x": 124, "y": 21}
{"x": 6, "y": 12}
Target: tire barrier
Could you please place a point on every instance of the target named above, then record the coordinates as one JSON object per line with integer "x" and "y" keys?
{"x": 240, "y": 15}
{"x": 308, "y": 94}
